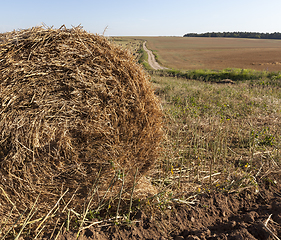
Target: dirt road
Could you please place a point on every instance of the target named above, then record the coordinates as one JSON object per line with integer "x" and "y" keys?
{"x": 151, "y": 59}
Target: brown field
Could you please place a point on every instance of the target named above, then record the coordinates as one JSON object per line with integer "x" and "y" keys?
{"x": 216, "y": 53}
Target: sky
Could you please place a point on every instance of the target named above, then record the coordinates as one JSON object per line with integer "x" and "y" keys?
{"x": 145, "y": 17}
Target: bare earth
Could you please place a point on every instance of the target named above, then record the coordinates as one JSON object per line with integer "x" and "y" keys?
{"x": 151, "y": 59}
{"x": 215, "y": 216}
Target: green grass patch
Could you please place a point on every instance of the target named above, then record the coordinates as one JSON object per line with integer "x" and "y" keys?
{"x": 219, "y": 137}
{"x": 235, "y": 74}
{"x": 143, "y": 59}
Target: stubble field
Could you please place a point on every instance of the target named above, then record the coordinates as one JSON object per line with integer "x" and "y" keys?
{"x": 186, "y": 53}
{"x": 222, "y": 141}
{"x": 218, "y": 174}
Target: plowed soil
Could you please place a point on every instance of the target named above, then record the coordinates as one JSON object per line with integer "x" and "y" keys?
{"x": 217, "y": 53}
{"x": 214, "y": 216}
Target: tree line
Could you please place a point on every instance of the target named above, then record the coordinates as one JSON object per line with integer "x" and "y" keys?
{"x": 275, "y": 35}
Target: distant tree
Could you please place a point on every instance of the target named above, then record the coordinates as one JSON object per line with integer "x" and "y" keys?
{"x": 275, "y": 35}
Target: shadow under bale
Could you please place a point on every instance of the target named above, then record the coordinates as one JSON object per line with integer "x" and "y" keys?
{"x": 75, "y": 109}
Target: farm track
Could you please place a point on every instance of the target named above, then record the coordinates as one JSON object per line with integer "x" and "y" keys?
{"x": 151, "y": 59}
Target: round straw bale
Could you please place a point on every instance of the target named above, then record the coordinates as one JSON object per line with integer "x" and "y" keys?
{"x": 75, "y": 110}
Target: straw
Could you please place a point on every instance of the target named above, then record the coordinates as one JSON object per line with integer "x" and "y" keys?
{"x": 71, "y": 103}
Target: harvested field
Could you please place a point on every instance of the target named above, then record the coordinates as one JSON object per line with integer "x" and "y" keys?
{"x": 132, "y": 44}
{"x": 232, "y": 131}
{"x": 189, "y": 53}
{"x": 217, "y": 175}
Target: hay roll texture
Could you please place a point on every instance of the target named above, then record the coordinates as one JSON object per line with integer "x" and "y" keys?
{"x": 71, "y": 103}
